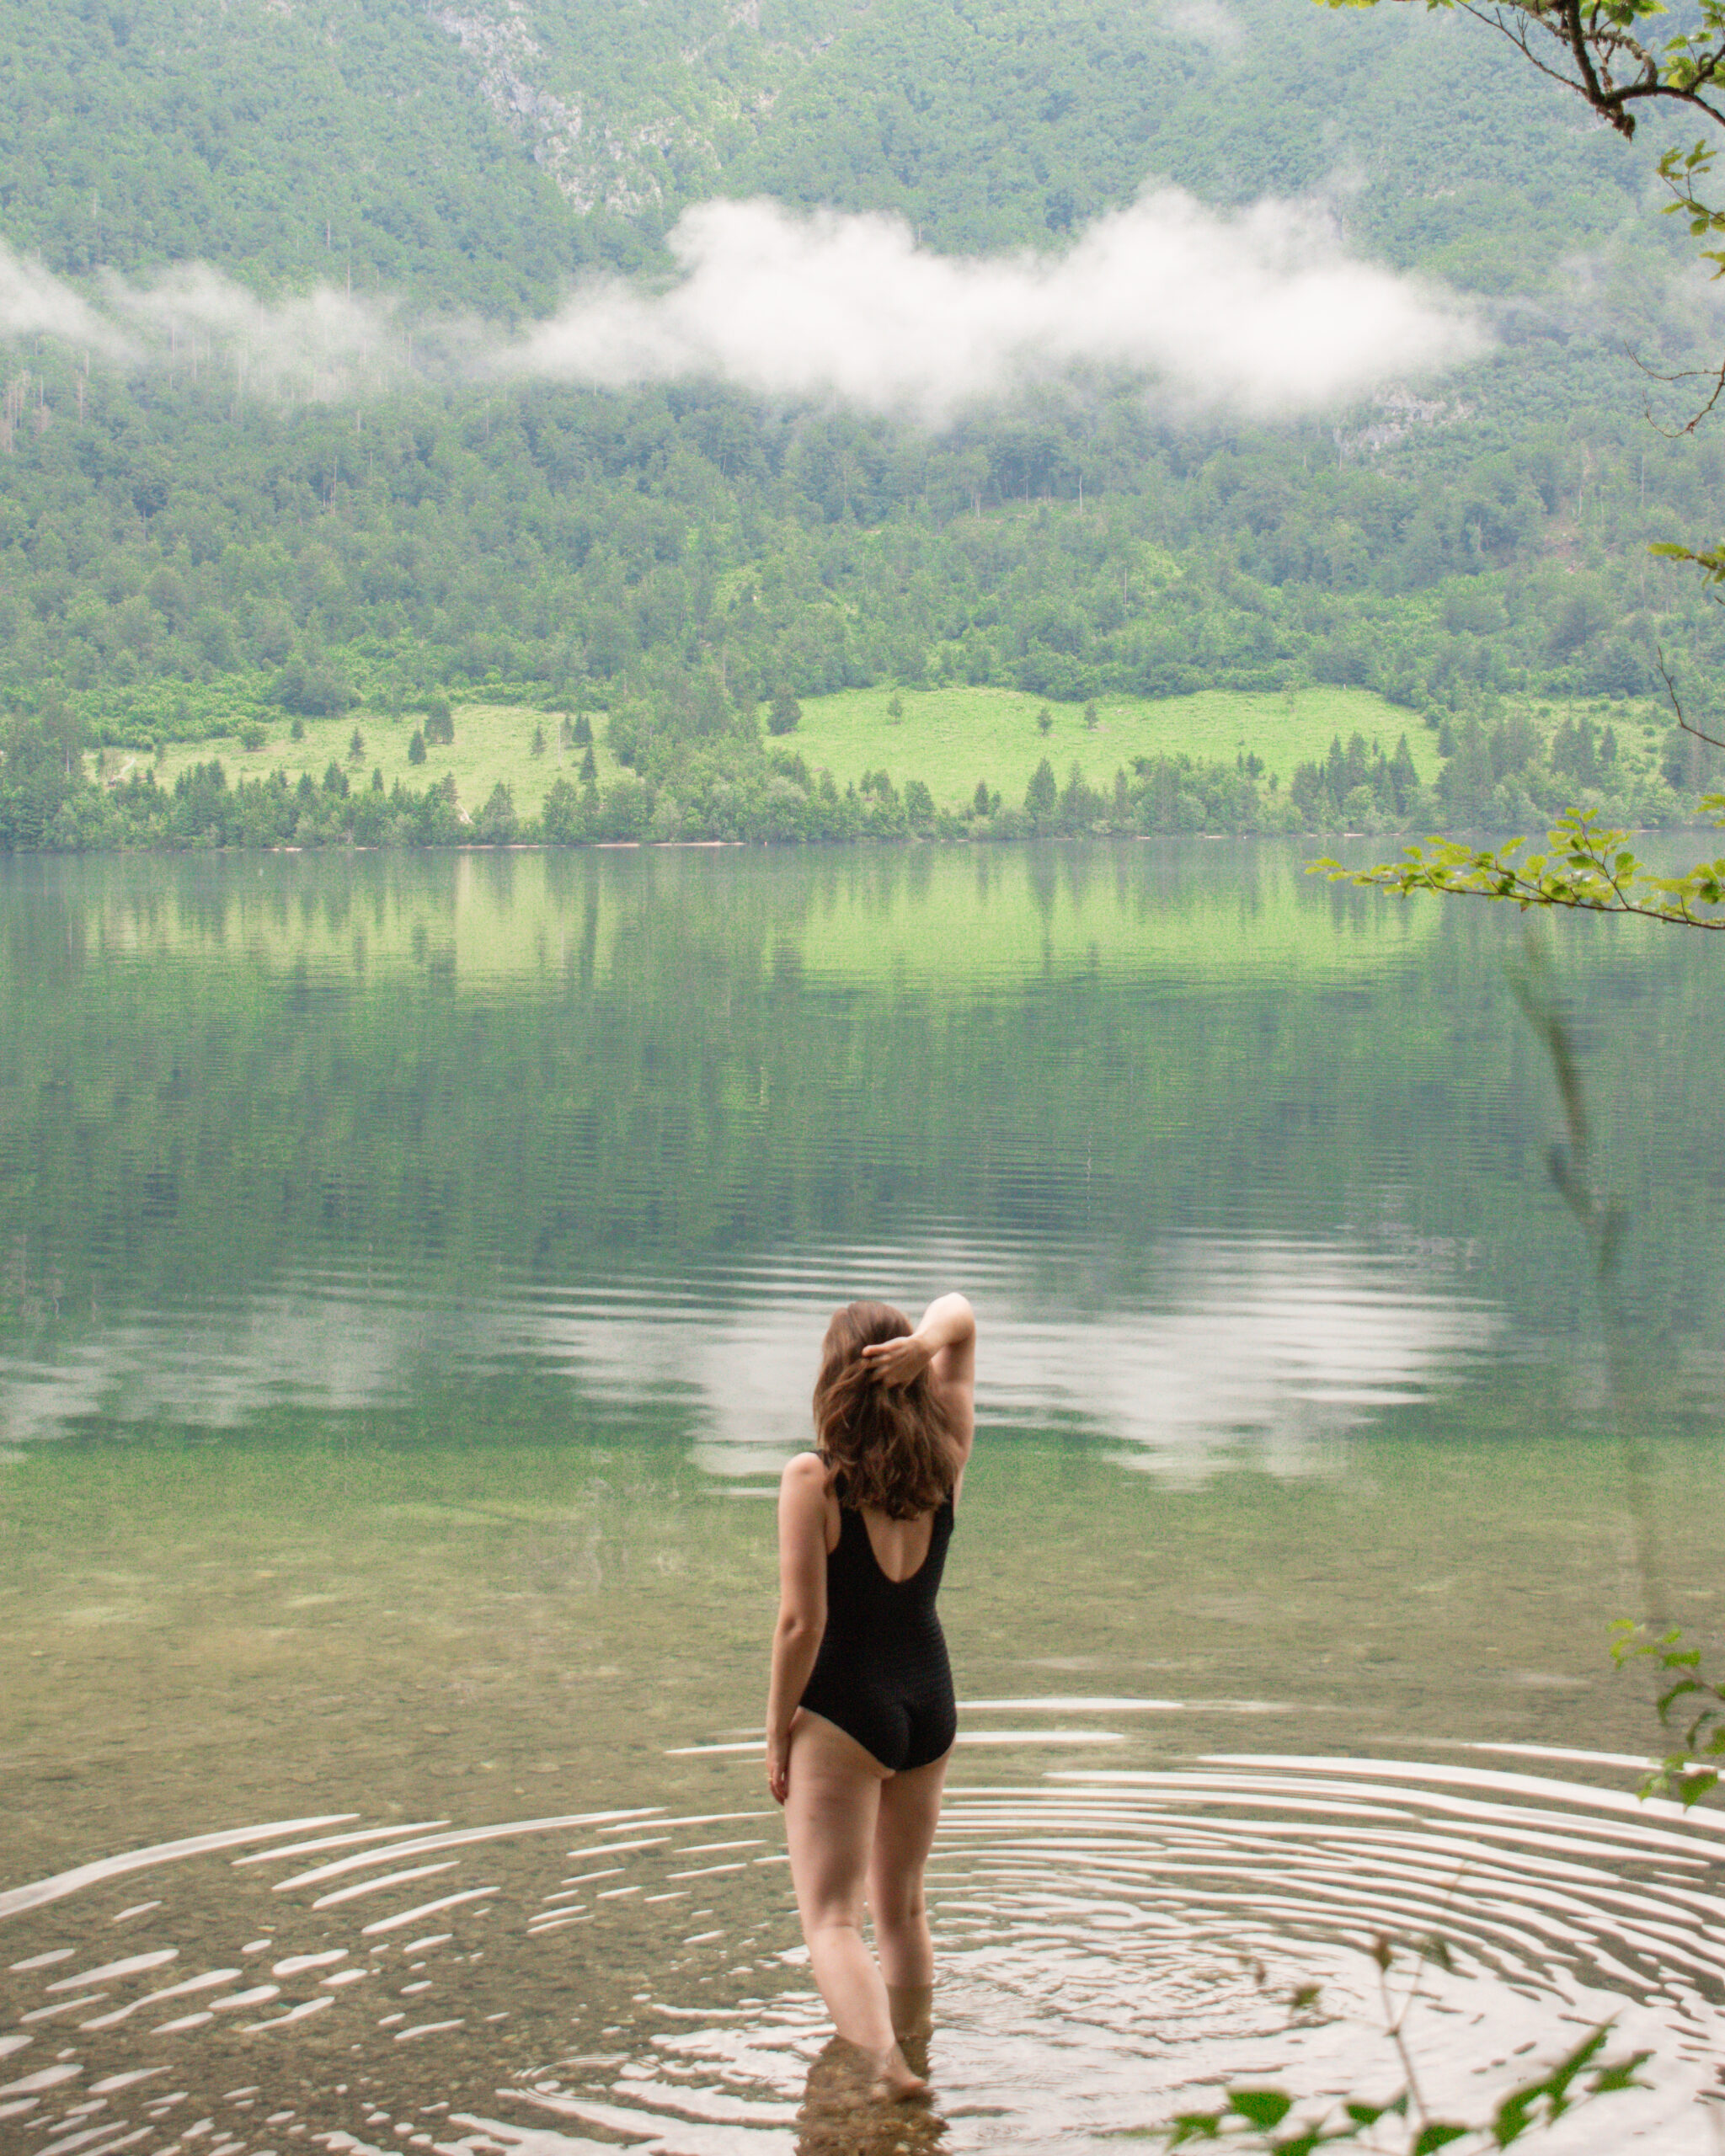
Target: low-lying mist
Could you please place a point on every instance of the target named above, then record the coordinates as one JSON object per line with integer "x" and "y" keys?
{"x": 1264, "y": 312}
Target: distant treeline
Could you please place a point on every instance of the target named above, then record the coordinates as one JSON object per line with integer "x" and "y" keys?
{"x": 765, "y": 793}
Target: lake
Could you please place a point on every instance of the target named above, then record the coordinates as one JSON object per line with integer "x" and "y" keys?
{"x": 411, "y": 1274}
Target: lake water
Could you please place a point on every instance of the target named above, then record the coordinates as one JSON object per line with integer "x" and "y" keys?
{"x": 410, "y": 1277}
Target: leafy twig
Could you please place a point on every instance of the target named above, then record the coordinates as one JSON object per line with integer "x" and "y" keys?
{"x": 1257, "y": 2115}
{"x": 1590, "y": 869}
{"x": 1692, "y": 1703}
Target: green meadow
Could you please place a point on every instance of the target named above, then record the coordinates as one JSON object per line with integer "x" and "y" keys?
{"x": 493, "y": 742}
{"x": 950, "y": 739}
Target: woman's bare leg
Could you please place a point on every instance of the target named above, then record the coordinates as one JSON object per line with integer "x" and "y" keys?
{"x": 912, "y": 2009}
{"x": 830, "y": 1812}
{"x": 907, "y": 1816}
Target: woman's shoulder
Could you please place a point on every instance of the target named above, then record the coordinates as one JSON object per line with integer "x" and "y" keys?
{"x": 804, "y": 1471}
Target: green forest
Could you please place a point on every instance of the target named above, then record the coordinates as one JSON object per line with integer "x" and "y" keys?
{"x": 667, "y": 573}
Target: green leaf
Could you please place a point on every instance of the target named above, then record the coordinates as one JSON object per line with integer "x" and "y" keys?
{"x": 1514, "y": 2117}
{"x": 1194, "y": 2125}
{"x": 1620, "y": 2074}
{"x": 1262, "y": 2107}
{"x": 1438, "y": 2134}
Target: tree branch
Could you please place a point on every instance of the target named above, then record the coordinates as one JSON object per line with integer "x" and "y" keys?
{"x": 1713, "y": 740}
{"x": 1590, "y": 869}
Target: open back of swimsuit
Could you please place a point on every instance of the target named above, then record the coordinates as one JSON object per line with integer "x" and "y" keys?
{"x": 882, "y": 1675}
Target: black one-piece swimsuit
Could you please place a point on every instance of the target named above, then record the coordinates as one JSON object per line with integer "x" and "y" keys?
{"x": 882, "y": 1675}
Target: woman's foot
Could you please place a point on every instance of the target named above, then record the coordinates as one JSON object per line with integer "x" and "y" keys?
{"x": 893, "y": 2079}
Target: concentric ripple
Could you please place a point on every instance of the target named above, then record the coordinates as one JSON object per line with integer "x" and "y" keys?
{"x": 1114, "y": 1944}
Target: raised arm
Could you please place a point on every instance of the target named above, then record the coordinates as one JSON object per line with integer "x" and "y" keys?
{"x": 801, "y": 1607}
{"x": 944, "y": 1344}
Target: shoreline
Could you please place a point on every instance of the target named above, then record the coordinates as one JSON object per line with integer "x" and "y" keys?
{"x": 909, "y": 841}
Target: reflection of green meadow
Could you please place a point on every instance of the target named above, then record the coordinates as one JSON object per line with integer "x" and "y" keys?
{"x": 979, "y": 916}
{"x": 216, "y": 1073}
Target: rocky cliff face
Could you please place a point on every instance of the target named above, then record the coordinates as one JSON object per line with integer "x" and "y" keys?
{"x": 591, "y": 166}
{"x": 665, "y": 110}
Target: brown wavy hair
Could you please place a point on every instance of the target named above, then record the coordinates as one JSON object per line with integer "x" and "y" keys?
{"x": 893, "y": 1444}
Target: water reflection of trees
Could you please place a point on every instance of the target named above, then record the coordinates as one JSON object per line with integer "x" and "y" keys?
{"x": 555, "y": 1065}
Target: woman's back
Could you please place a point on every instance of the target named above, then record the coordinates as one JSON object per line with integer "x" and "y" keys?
{"x": 882, "y": 1674}
{"x": 900, "y": 1546}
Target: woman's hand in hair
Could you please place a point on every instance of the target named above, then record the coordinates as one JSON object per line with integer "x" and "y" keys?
{"x": 898, "y": 1362}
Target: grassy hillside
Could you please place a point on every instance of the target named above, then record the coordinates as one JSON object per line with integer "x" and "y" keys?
{"x": 949, "y": 738}
{"x": 493, "y": 743}
{"x": 952, "y": 738}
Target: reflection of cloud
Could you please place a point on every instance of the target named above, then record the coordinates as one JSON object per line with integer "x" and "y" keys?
{"x": 1271, "y": 1346}
{"x": 218, "y": 1370}
{"x": 1275, "y": 1346}
{"x": 1261, "y": 1347}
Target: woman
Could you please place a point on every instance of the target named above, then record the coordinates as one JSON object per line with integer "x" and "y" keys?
{"x": 860, "y": 1715}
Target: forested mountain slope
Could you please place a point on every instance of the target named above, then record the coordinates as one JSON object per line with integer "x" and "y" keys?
{"x": 475, "y": 151}
{"x": 179, "y": 549}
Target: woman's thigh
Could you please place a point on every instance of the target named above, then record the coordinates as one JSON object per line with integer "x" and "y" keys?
{"x": 904, "y": 1833}
{"x": 830, "y": 1813}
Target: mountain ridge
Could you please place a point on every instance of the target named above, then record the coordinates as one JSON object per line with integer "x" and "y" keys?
{"x": 484, "y": 153}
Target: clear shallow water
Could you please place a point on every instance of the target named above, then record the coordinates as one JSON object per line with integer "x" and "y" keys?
{"x": 1110, "y": 1937}
{"x": 411, "y": 1279}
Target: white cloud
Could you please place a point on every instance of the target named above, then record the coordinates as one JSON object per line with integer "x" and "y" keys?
{"x": 1264, "y": 312}
{"x": 34, "y": 303}
{"x": 324, "y": 340}
{"x": 1206, "y": 21}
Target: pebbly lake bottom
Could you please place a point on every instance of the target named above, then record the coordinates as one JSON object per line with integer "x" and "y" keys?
{"x": 372, "y": 1793}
